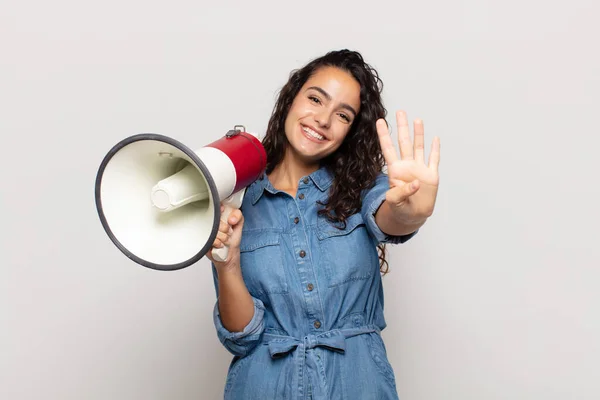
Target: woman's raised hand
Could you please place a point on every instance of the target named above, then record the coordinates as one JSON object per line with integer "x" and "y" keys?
{"x": 413, "y": 184}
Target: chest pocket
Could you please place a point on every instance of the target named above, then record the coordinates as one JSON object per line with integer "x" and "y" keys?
{"x": 262, "y": 263}
{"x": 348, "y": 254}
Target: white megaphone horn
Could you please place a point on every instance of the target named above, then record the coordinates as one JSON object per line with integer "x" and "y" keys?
{"x": 160, "y": 202}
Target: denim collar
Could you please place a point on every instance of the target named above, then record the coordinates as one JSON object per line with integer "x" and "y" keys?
{"x": 322, "y": 178}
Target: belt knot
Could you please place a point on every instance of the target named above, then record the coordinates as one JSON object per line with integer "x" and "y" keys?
{"x": 334, "y": 340}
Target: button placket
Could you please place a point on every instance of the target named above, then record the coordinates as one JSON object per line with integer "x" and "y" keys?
{"x": 314, "y": 312}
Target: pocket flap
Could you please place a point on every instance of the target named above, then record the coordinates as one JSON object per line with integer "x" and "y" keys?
{"x": 252, "y": 240}
{"x": 327, "y": 229}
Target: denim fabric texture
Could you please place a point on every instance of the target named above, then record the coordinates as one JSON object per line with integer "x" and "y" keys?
{"x": 318, "y": 298}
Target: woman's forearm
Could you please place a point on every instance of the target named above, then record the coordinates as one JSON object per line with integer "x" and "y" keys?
{"x": 236, "y": 306}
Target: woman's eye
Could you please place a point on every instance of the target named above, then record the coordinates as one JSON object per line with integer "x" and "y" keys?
{"x": 345, "y": 117}
{"x": 314, "y": 99}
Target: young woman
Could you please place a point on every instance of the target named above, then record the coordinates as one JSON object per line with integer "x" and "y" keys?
{"x": 300, "y": 298}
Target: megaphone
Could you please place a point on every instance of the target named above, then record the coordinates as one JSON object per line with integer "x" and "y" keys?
{"x": 160, "y": 202}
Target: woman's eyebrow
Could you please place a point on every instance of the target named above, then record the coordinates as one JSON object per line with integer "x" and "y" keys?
{"x": 328, "y": 97}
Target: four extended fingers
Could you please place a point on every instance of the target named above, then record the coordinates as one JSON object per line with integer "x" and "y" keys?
{"x": 408, "y": 149}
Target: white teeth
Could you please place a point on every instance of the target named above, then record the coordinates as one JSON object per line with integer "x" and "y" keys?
{"x": 312, "y": 133}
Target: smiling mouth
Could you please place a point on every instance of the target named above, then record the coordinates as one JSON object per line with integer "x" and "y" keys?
{"x": 309, "y": 132}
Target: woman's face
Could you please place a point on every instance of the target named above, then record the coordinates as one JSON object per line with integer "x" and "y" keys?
{"x": 322, "y": 114}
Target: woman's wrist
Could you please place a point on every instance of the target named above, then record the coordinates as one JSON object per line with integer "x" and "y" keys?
{"x": 229, "y": 268}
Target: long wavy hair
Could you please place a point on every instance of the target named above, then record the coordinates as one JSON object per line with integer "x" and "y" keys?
{"x": 357, "y": 162}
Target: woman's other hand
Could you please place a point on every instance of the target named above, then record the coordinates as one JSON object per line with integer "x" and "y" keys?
{"x": 413, "y": 184}
{"x": 230, "y": 234}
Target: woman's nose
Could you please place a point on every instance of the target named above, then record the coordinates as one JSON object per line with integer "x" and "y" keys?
{"x": 323, "y": 118}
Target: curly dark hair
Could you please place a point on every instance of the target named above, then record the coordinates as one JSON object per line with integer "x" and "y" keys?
{"x": 357, "y": 162}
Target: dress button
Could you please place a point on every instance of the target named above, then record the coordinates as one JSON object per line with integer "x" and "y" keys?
{"x": 296, "y": 220}
{"x": 301, "y": 196}
{"x": 310, "y": 287}
{"x": 305, "y": 180}
{"x": 302, "y": 253}
{"x": 317, "y": 324}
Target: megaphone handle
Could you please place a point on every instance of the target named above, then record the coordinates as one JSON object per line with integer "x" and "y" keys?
{"x": 231, "y": 203}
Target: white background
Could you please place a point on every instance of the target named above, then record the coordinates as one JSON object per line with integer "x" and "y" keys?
{"x": 496, "y": 298}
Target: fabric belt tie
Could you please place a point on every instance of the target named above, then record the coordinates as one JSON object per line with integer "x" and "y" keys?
{"x": 315, "y": 384}
{"x": 334, "y": 340}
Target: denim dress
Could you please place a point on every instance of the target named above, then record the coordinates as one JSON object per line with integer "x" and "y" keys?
{"x": 318, "y": 298}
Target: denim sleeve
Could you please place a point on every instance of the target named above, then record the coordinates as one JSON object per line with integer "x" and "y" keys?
{"x": 239, "y": 343}
{"x": 373, "y": 198}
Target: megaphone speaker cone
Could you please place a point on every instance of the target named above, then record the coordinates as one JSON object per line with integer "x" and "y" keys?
{"x": 145, "y": 175}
